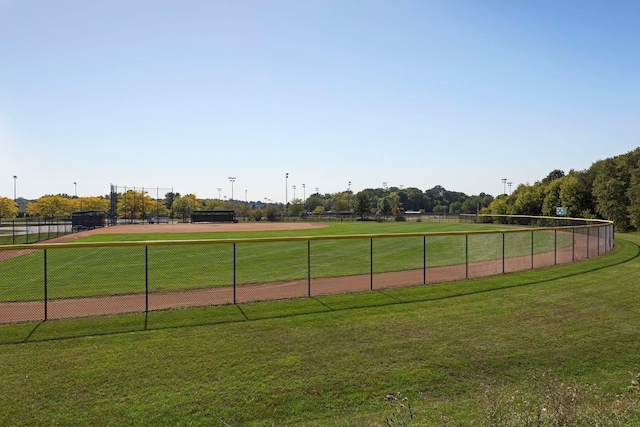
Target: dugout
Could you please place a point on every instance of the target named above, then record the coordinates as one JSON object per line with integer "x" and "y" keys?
{"x": 88, "y": 220}
{"x": 214, "y": 216}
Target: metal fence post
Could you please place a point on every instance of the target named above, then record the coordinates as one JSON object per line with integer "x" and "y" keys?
{"x": 45, "y": 286}
{"x": 555, "y": 247}
{"x": 502, "y": 253}
{"x": 424, "y": 260}
{"x": 309, "y": 268}
{"x": 532, "y": 249}
{"x": 146, "y": 279}
{"x": 588, "y": 233}
{"x": 466, "y": 255}
{"x": 371, "y": 263}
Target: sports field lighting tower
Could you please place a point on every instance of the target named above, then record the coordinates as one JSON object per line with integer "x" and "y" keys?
{"x": 75, "y": 184}
{"x": 286, "y": 189}
{"x": 509, "y": 184}
{"x": 294, "y": 191}
{"x": 15, "y": 178}
{"x": 504, "y": 184}
{"x": 219, "y": 190}
{"x": 232, "y": 179}
{"x": 304, "y": 198}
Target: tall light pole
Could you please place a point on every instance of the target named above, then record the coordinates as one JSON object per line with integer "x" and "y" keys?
{"x": 304, "y": 198}
{"x": 318, "y": 190}
{"x": 384, "y": 184}
{"x": 286, "y": 189}
{"x": 509, "y": 184}
{"x": 504, "y": 184}
{"x": 294, "y": 191}
{"x": 219, "y": 190}
{"x": 15, "y": 178}
{"x": 245, "y": 196}
{"x": 232, "y": 179}
{"x": 75, "y": 184}
{"x": 349, "y": 188}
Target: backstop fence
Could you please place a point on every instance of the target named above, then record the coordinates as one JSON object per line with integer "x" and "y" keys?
{"x": 129, "y": 205}
{"x": 54, "y": 281}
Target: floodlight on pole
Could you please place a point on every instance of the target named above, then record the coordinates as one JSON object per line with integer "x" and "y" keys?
{"x": 15, "y": 178}
{"x": 504, "y": 184}
{"x": 232, "y": 179}
{"x": 509, "y": 184}
{"x": 294, "y": 191}
{"x": 219, "y": 190}
{"x": 75, "y": 184}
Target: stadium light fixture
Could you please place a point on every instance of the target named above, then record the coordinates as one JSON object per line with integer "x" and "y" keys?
{"x": 504, "y": 184}
{"x": 15, "y": 178}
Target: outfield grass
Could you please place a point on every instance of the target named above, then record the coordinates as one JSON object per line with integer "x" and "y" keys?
{"x": 96, "y": 271}
{"x": 331, "y": 361}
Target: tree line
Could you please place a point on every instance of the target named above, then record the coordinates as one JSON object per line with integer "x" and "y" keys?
{"x": 609, "y": 189}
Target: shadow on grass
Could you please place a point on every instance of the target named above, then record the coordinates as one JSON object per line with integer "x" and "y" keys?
{"x": 625, "y": 252}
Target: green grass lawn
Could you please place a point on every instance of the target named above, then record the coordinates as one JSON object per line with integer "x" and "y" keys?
{"x": 92, "y": 271}
{"x": 331, "y": 361}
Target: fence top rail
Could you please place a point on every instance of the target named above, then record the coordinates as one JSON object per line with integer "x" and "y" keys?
{"x": 42, "y": 246}
{"x": 595, "y": 221}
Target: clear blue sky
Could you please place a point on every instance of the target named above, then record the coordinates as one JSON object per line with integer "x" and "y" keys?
{"x": 184, "y": 94}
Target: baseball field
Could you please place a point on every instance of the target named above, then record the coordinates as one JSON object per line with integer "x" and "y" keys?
{"x": 556, "y": 342}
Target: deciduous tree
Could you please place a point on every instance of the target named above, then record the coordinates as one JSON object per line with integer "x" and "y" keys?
{"x": 8, "y": 208}
{"x": 51, "y": 206}
{"x": 611, "y": 194}
{"x": 184, "y": 206}
{"x": 363, "y": 205}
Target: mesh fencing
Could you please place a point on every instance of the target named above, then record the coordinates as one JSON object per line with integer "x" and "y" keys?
{"x": 40, "y": 282}
{"x": 34, "y": 229}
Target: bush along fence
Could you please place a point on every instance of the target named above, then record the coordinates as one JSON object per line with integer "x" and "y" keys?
{"x": 54, "y": 281}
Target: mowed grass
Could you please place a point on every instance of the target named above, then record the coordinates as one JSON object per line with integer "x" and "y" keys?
{"x": 97, "y": 271}
{"x": 331, "y": 361}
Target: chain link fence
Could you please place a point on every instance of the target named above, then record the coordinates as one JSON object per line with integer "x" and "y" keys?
{"x": 47, "y": 281}
{"x": 34, "y": 229}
